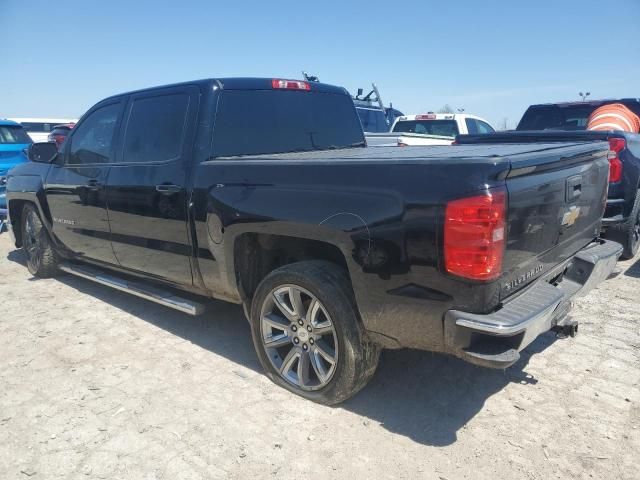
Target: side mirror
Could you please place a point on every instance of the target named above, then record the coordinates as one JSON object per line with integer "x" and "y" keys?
{"x": 43, "y": 152}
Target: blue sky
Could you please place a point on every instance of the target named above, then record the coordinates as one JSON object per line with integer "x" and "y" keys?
{"x": 492, "y": 58}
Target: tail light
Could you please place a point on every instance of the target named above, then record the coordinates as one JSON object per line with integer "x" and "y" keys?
{"x": 57, "y": 138}
{"x": 616, "y": 145}
{"x": 474, "y": 235}
{"x": 402, "y": 144}
{"x": 290, "y": 84}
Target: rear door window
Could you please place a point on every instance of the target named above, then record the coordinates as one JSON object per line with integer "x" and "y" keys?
{"x": 155, "y": 128}
{"x": 484, "y": 127}
{"x": 472, "y": 126}
{"x": 475, "y": 126}
{"x": 443, "y": 128}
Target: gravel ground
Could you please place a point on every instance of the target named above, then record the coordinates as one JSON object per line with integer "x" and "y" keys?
{"x": 95, "y": 383}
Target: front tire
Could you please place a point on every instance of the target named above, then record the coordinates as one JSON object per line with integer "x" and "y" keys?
{"x": 307, "y": 333}
{"x": 42, "y": 260}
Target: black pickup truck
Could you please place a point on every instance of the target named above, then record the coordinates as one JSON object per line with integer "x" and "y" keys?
{"x": 567, "y": 122}
{"x": 250, "y": 191}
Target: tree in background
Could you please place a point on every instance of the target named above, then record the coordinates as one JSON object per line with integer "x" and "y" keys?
{"x": 446, "y": 109}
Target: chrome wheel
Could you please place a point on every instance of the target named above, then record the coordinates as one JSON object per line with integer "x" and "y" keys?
{"x": 299, "y": 337}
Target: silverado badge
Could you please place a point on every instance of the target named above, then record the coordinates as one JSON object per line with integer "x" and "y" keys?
{"x": 570, "y": 217}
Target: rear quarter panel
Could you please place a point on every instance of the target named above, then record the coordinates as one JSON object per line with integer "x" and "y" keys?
{"x": 384, "y": 217}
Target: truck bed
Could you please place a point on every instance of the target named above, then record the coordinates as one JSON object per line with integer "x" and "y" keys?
{"x": 496, "y": 153}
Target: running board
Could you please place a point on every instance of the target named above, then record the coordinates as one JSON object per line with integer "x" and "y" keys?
{"x": 153, "y": 294}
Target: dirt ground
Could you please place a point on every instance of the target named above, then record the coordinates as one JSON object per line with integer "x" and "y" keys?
{"x": 95, "y": 383}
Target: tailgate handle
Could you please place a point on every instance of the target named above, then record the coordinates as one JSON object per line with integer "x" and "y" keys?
{"x": 574, "y": 188}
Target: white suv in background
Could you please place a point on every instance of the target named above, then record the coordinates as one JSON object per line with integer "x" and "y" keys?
{"x": 39, "y": 128}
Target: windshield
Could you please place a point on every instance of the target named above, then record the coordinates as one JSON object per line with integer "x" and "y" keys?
{"x": 372, "y": 120}
{"x": 13, "y": 135}
{"x": 250, "y": 122}
{"x": 445, "y": 128}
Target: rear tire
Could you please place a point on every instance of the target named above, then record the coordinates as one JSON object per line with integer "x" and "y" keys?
{"x": 42, "y": 260}
{"x": 307, "y": 333}
{"x": 628, "y": 234}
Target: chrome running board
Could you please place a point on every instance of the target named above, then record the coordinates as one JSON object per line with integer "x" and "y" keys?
{"x": 153, "y": 294}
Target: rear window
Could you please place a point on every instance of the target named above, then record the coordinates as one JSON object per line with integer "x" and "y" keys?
{"x": 372, "y": 120}
{"x": 445, "y": 128}
{"x": 573, "y": 117}
{"x": 250, "y": 122}
{"x": 13, "y": 135}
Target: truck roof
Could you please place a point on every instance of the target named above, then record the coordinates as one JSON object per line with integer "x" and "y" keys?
{"x": 240, "y": 83}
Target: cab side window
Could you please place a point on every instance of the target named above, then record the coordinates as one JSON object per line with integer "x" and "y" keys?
{"x": 93, "y": 138}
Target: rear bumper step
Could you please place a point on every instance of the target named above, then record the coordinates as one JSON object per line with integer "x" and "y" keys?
{"x": 163, "y": 297}
{"x": 495, "y": 340}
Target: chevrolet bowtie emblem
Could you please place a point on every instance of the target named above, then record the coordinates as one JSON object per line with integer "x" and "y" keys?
{"x": 570, "y": 217}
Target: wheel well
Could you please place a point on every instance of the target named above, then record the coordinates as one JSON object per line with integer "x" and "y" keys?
{"x": 257, "y": 254}
{"x": 15, "y": 214}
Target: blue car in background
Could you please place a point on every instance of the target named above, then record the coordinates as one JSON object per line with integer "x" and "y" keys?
{"x": 13, "y": 141}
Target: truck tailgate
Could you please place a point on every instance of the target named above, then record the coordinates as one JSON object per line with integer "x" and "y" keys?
{"x": 556, "y": 197}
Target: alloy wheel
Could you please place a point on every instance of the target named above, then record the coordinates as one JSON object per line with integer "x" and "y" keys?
{"x": 299, "y": 337}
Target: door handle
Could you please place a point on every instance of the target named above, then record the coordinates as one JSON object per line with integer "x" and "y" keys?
{"x": 168, "y": 189}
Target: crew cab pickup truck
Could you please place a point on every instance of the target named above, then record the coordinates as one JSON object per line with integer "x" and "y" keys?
{"x": 429, "y": 129}
{"x": 566, "y": 122}
{"x": 250, "y": 191}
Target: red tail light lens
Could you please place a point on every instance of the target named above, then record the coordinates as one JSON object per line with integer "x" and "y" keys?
{"x": 474, "y": 235}
{"x": 290, "y": 84}
{"x": 616, "y": 145}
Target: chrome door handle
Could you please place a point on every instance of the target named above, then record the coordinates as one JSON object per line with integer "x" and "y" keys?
{"x": 168, "y": 189}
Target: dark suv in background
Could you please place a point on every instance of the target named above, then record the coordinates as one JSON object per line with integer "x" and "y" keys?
{"x": 59, "y": 133}
{"x": 567, "y": 121}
